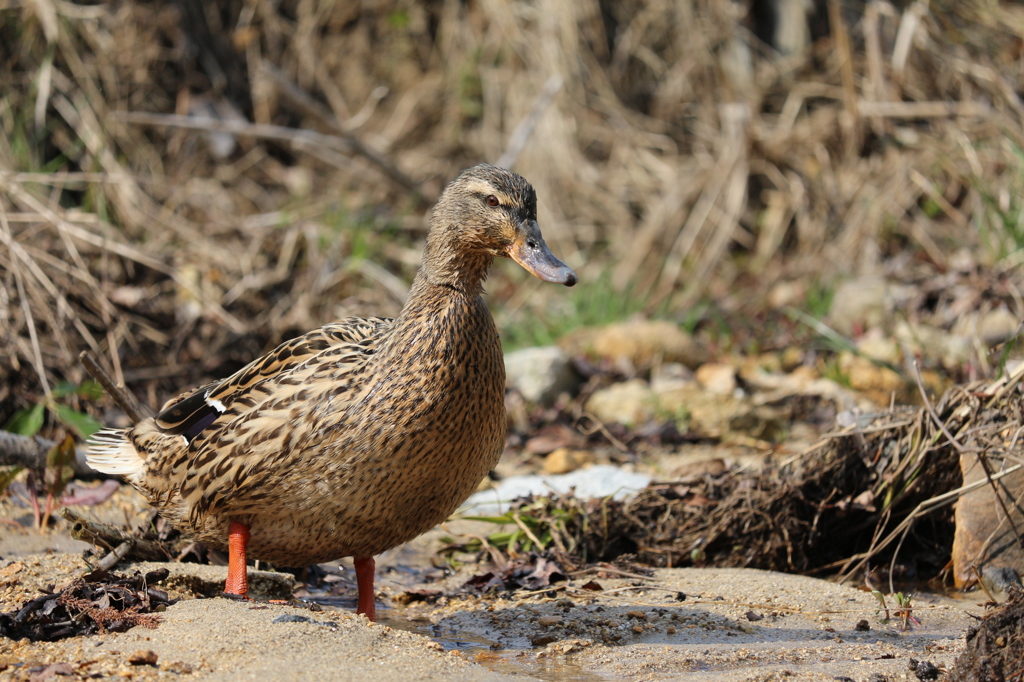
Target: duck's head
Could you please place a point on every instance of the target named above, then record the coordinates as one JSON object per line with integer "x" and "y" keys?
{"x": 492, "y": 212}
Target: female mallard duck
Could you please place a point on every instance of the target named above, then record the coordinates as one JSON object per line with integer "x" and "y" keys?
{"x": 360, "y": 435}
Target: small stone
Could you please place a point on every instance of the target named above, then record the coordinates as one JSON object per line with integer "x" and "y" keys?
{"x": 542, "y": 640}
{"x": 564, "y": 460}
{"x": 717, "y": 378}
{"x": 996, "y": 326}
{"x": 753, "y": 616}
{"x": 540, "y": 374}
{"x": 786, "y": 294}
{"x": 143, "y": 657}
{"x": 291, "y": 618}
{"x": 671, "y": 630}
{"x": 792, "y": 358}
{"x": 179, "y": 667}
{"x": 862, "y": 625}
{"x": 638, "y": 629}
{"x": 859, "y": 304}
{"x": 548, "y": 621}
{"x": 639, "y": 615}
{"x": 881, "y": 348}
{"x": 637, "y": 343}
{"x": 629, "y": 402}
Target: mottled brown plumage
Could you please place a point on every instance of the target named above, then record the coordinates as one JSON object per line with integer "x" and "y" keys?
{"x": 362, "y": 434}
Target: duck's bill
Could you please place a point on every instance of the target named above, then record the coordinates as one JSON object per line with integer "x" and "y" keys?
{"x": 530, "y": 251}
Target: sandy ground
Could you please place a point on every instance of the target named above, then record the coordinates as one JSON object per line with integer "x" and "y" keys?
{"x": 678, "y": 624}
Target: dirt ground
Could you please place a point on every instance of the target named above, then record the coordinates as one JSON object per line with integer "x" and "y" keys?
{"x": 679, "y": 624}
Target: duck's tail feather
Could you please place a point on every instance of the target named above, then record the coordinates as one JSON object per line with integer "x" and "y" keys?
{"x": 111, "y": 452}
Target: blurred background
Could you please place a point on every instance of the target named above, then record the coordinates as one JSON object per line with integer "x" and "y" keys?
{"x": 185, "y": 184}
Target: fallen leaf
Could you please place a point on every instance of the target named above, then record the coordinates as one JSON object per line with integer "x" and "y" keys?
{"x": 81, "y": 495}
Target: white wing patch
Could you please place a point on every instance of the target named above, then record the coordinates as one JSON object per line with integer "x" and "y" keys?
{"x": 215, "y": 404}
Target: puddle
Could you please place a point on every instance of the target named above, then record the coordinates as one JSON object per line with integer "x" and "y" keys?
{"x": 481, "y": 650}
{"x": 492, "y": 656}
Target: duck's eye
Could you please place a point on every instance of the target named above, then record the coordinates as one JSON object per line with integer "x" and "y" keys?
{"x": 492, "y": 200}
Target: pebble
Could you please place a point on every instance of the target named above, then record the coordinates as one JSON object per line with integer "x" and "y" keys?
{"x": 548, "y": 621}
{"x": 717, "y": 378}
{"x": 639, "y": 615}
{"x": 564, "y": 460}
{"x": 541, "y": 374}
{"x": 143, "y": 657}
{"x": 637, "y": 343}
{"x": 629, "y": 403}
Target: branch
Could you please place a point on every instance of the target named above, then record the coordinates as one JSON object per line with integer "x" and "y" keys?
{"x": 30, "y": 453}
{"x": 124, "y": 399}
{"x": 303, "y": 139}
{"x": 108, "y": 537}
{"x": 521, "y": 135}
{"x": 311, "y": 107}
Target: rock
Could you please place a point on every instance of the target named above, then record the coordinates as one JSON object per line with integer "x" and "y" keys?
{"x": 997, "y": 326}
{"x": 540, "y": 374}
{"x": 670, "y": 375}
{"x": 786, "y": 294}
{"x": 541, "y": 640}
{"x": 983, "y": 538}
{"x": 882, "y": 349}
{"x": 717, "y": 378}
{"x": 629, "y": 403}
{"x": 859, "y": 304}
{"x": 704, "y": 467}
{"x": 548, "y": 621}
{"x": 564, "y": 460}
{"x": 933, "y": 344}
{"x": 876, "y": 382}
{"x": 143, "y": 657}
{"x": 640, "y": 343}
{"x": 706, "y": 413}
{"x": 792, "y": 358}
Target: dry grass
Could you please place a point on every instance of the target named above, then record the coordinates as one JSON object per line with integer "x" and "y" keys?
{"x": 665, "y": 162}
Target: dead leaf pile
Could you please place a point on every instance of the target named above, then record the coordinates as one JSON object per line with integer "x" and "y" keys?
{"x": 99, "y": 602}
{"x": 531, "y": 571}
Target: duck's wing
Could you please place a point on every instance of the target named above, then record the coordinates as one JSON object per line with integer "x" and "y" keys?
{"x": 191, "y": 413}
{"x": 156, "y": 454}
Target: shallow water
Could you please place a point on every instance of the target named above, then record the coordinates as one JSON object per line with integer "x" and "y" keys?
{"x": 492, "y": 655}
{"x": 474, "y": 647}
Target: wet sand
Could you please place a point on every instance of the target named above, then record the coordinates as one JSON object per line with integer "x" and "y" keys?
{"x": 678, "y": 624}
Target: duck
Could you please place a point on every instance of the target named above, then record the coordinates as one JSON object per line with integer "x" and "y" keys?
{"x": 358, "y": 436}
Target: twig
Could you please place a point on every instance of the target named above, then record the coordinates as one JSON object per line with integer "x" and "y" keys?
{"x": 521, "y": 135}
{"x": 982, "y": 585}
{"x": 529, "y": 533}
{"x": 911, "y": 110}
{"x": 311, "y": 106}
{"x": 103, "y": 535}
{"x": 124, "y": 399}
{"x": 303, "y": 139}
{"x": 114, "y": 556}
{"x": 608, "y": 569}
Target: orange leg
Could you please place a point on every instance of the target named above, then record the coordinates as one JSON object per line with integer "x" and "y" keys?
{"x": 367, "y": 605}
{"x": 238, "y": 579}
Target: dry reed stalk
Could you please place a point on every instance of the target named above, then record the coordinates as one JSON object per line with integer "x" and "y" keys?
{"x": 641, "y": 170}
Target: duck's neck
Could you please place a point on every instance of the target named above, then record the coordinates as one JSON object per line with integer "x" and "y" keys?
{"x": 447, "y": 263}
